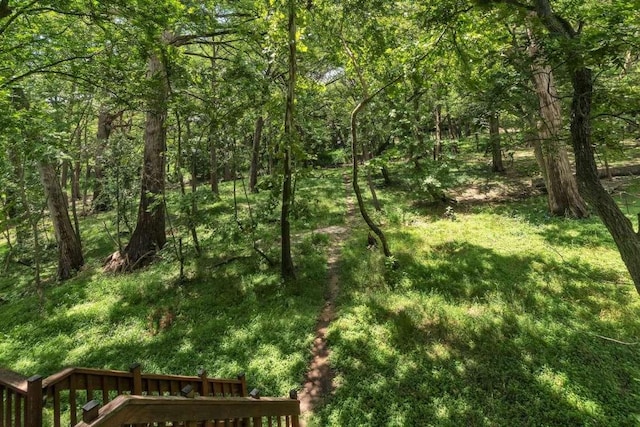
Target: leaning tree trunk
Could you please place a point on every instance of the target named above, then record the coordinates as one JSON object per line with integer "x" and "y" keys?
{"x": 255, "y": 155}
{"x": 562, "y": 190}
{"x": 620, "y": 227}
{"x": 149, "y": 235}
{"x": 287, "y": 268}
{"x": 355, "y": 183}
{"x": 70, "y": 257}
{"x": 494, "y": 138}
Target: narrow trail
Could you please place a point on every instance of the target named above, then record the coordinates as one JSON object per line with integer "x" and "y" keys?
{"x": 319, "y": 378}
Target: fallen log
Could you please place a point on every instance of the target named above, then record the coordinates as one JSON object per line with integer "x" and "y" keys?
{"x": 628, "y": 170}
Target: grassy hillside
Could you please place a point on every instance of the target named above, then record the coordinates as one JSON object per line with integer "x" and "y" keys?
{"x": 498, "y": 314}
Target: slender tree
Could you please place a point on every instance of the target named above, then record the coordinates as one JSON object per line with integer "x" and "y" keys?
{"x": 287, "y": 267}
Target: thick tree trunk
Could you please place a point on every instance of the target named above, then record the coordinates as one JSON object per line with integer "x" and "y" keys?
{"x": 287, "y": 268}
{"x": 563, "y": 196}
{"x": 70, "y": 257}
{"x": 149, "y": 236}
{"x": 255, "y": 155}
{"x": 494, "y": 137}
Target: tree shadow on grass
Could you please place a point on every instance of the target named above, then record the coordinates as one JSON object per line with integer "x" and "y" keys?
{"x": 478, "y": 341}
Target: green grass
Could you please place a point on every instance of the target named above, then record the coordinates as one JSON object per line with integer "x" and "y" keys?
{"x": 238, "y": 317}
{"x": 502, "y": 317}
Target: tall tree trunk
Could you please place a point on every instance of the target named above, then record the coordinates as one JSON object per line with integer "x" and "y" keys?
{"x": 101, "y": 202}
{"x": 213, "y": 126}
{"x": 255, "y": 155}
{"x": 494, "y": 137}
{"x": 17, "y": 210}
{"x": 70, "y": 257}
{"x": 75, "y": 180}
{"x": 562, "y": 190}
{"x": 213, "y": 161}
{"x": 64, "y": 174}
{"x": 437, "y": 149}
{"x": 149, "y": 236}
{"x": 287, "y": 269}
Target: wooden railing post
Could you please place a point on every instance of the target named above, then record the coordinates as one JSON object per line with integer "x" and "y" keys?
{"x": 34, "y": 401}
{"x": 204, "y": 385}
{"x": 295, "y": 419}
{"x": 136, "y": 378}
{"x": 90, "y": 411}
{"x": 243, "y": 378}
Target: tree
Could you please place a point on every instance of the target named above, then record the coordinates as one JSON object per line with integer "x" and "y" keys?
{"x": 149, "y": 236}
{"x": 70, "y": 257}
{"x": 573, "y": 49}
{"x": 287, "y": 268}
{"x": 562, "y": 189}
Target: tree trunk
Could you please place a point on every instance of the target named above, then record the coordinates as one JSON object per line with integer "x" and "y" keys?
{"x": 64, "y": 174}
{"x": 213, "y": 146}
{"x": 69, "y": 248}
{"x": 213, "y": 161}
{"x": 287, "y": 267}
{"x": 562, "y": 190}
{"x": 255, "y": 155}
{"x": 356, "y": 186}
{"x": 437, "y": 149}
{"x": 101, "y": 202}
{"x": 149, "y": 236}
{"x": 494, "y": 137}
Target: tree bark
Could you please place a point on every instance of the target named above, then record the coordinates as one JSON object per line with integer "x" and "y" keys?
{"x": 437, "y": 149}
{"x": 494, "y": 137}
{"x": 149, "y": 236}
{"x": 101, "y": 202}
{"x": 287, "y": 268}
{"x": 70, "y": 257}
{"x": 255, "y": 155}
{"x": 563, "y": 196}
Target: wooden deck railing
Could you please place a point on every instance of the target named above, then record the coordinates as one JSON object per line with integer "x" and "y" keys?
{"x": 22, "y": 399}
{"x": 129, "y": 410}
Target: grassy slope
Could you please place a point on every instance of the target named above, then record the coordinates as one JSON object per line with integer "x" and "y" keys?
{"x": 495, "y": 318}
{"x": 498, "y": 318}
{"x": 227, "y": 319}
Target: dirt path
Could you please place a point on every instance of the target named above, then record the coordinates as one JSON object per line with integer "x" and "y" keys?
{"x": 319, "y": 377}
